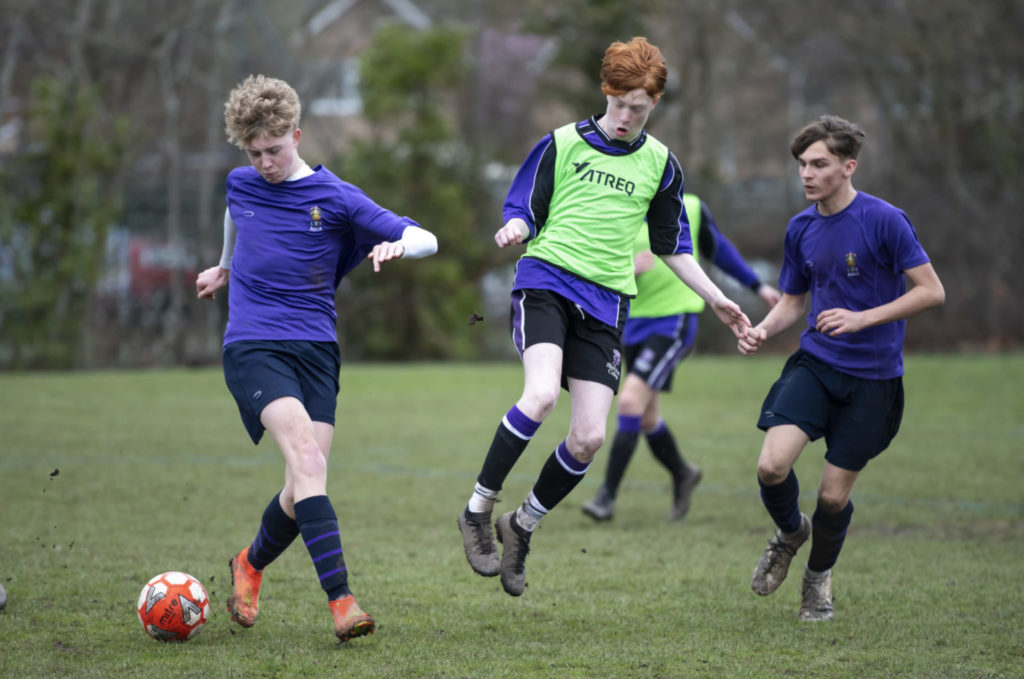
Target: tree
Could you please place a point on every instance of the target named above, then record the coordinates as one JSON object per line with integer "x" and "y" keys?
{"x": 58, "y": 204}
{"x": 413, "y": 164}
{"x": 585, "y": 28}
{"x": 936, "y": 84}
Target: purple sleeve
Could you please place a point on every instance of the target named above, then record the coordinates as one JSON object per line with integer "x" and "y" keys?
{"x": 529, "y": 196}
{"x": 370, "y": 224}
{"x": 726, "y": 257}
{"x": 906, "y": 249}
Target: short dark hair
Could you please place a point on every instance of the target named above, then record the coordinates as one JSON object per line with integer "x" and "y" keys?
{"x": 842, "y": 137}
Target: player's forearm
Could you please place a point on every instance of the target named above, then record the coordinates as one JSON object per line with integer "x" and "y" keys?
{"x": 927, "y": 292}
{"x": 914, "y": 301}
{"x": 688, "y": 270}
{"x": 788, "y": 311}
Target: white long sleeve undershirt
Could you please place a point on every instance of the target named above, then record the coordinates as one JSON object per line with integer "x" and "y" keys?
{"x": 417, "y": 242}
{"x": 229, "y": 241}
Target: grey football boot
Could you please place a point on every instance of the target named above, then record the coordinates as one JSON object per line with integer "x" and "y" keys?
{"x": 516, "y": 542}
{"x": 816, "y": 597}
{"x": 773, "y": 566}
{"x": 478, "y": 541}
{"x": 682, "y": 491}
{"x": 602, "y": 507}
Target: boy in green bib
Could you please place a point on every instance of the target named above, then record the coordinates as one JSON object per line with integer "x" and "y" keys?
{"x": 578, "y": 202}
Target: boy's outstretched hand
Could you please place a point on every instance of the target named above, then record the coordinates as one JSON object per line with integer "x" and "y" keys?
{"x": 730, "y": 313}
{"x": 210, "y": 281}
{"x": 385, "y": 252}
{"x": 751, "y": 341}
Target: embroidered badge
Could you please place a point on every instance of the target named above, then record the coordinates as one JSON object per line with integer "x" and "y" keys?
{"x": 314, "y": 225}
{"x": 851, "y": 264}
{"x": 614, "y": 366}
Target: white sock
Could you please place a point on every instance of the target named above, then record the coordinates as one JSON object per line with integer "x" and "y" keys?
{"x": 530, "y": 513}
{"x": 815, "y": 575}
{"x": 482, "y": 499}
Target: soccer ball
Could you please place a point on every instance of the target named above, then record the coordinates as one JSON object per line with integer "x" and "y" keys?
{"x": 173, "y": 606}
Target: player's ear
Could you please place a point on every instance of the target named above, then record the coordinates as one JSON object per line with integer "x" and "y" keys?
{"x": 849, "y": 167}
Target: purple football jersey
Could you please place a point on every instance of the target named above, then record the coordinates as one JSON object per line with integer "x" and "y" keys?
{"x": 854, "y": 260}
{"x": 296, "y": 240}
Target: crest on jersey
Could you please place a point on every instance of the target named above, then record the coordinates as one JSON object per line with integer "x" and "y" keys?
{"x": 314, "y": 224}
{"x": 851, "y": 264}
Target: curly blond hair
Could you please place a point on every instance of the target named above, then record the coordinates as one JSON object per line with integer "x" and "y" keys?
{"x": 261, "y": 105}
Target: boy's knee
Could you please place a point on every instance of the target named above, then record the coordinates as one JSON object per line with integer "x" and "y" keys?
{"x": 832, "y": 503}
{"x": 771, "y": 473}
{"x": 586, "y": 444}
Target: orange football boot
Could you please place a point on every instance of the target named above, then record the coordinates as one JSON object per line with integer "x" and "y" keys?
{"x": 350, "y": 620}
{"x": 244, "y": 602}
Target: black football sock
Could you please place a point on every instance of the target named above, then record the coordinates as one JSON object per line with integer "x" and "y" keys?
{"x": 621, "y": 452}
{"x": 663, "y": 446}
{"x": 510, "y": 440}
{"x": 559, "y": 475}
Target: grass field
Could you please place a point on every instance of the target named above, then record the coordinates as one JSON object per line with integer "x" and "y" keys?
{"x": 109, "y": 478}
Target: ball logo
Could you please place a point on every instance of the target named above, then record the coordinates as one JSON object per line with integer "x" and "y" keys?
{"x": 169, "y": 614}
{"x": 190, "y": 612}
{"x": 152, "y": 597}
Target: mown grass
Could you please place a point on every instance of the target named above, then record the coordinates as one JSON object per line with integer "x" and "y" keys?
{"x": 109, "y": 478}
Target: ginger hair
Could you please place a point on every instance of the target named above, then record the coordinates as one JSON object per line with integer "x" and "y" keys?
{"x": 627, "y": 66}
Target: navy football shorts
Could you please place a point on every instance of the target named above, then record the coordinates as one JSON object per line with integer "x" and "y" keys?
{"x": 858, "y": 417}
{"x": 655, "y": 359}
{"x": 591, "y": 349}
{"x": 259, "y": 371}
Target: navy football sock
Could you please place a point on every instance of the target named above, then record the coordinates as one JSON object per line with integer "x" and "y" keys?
{"x": 319, "y": 527}
{"x": 277, "y": 531}
{"x": 783, "y": 502}
{"x": 828, "y": 534}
